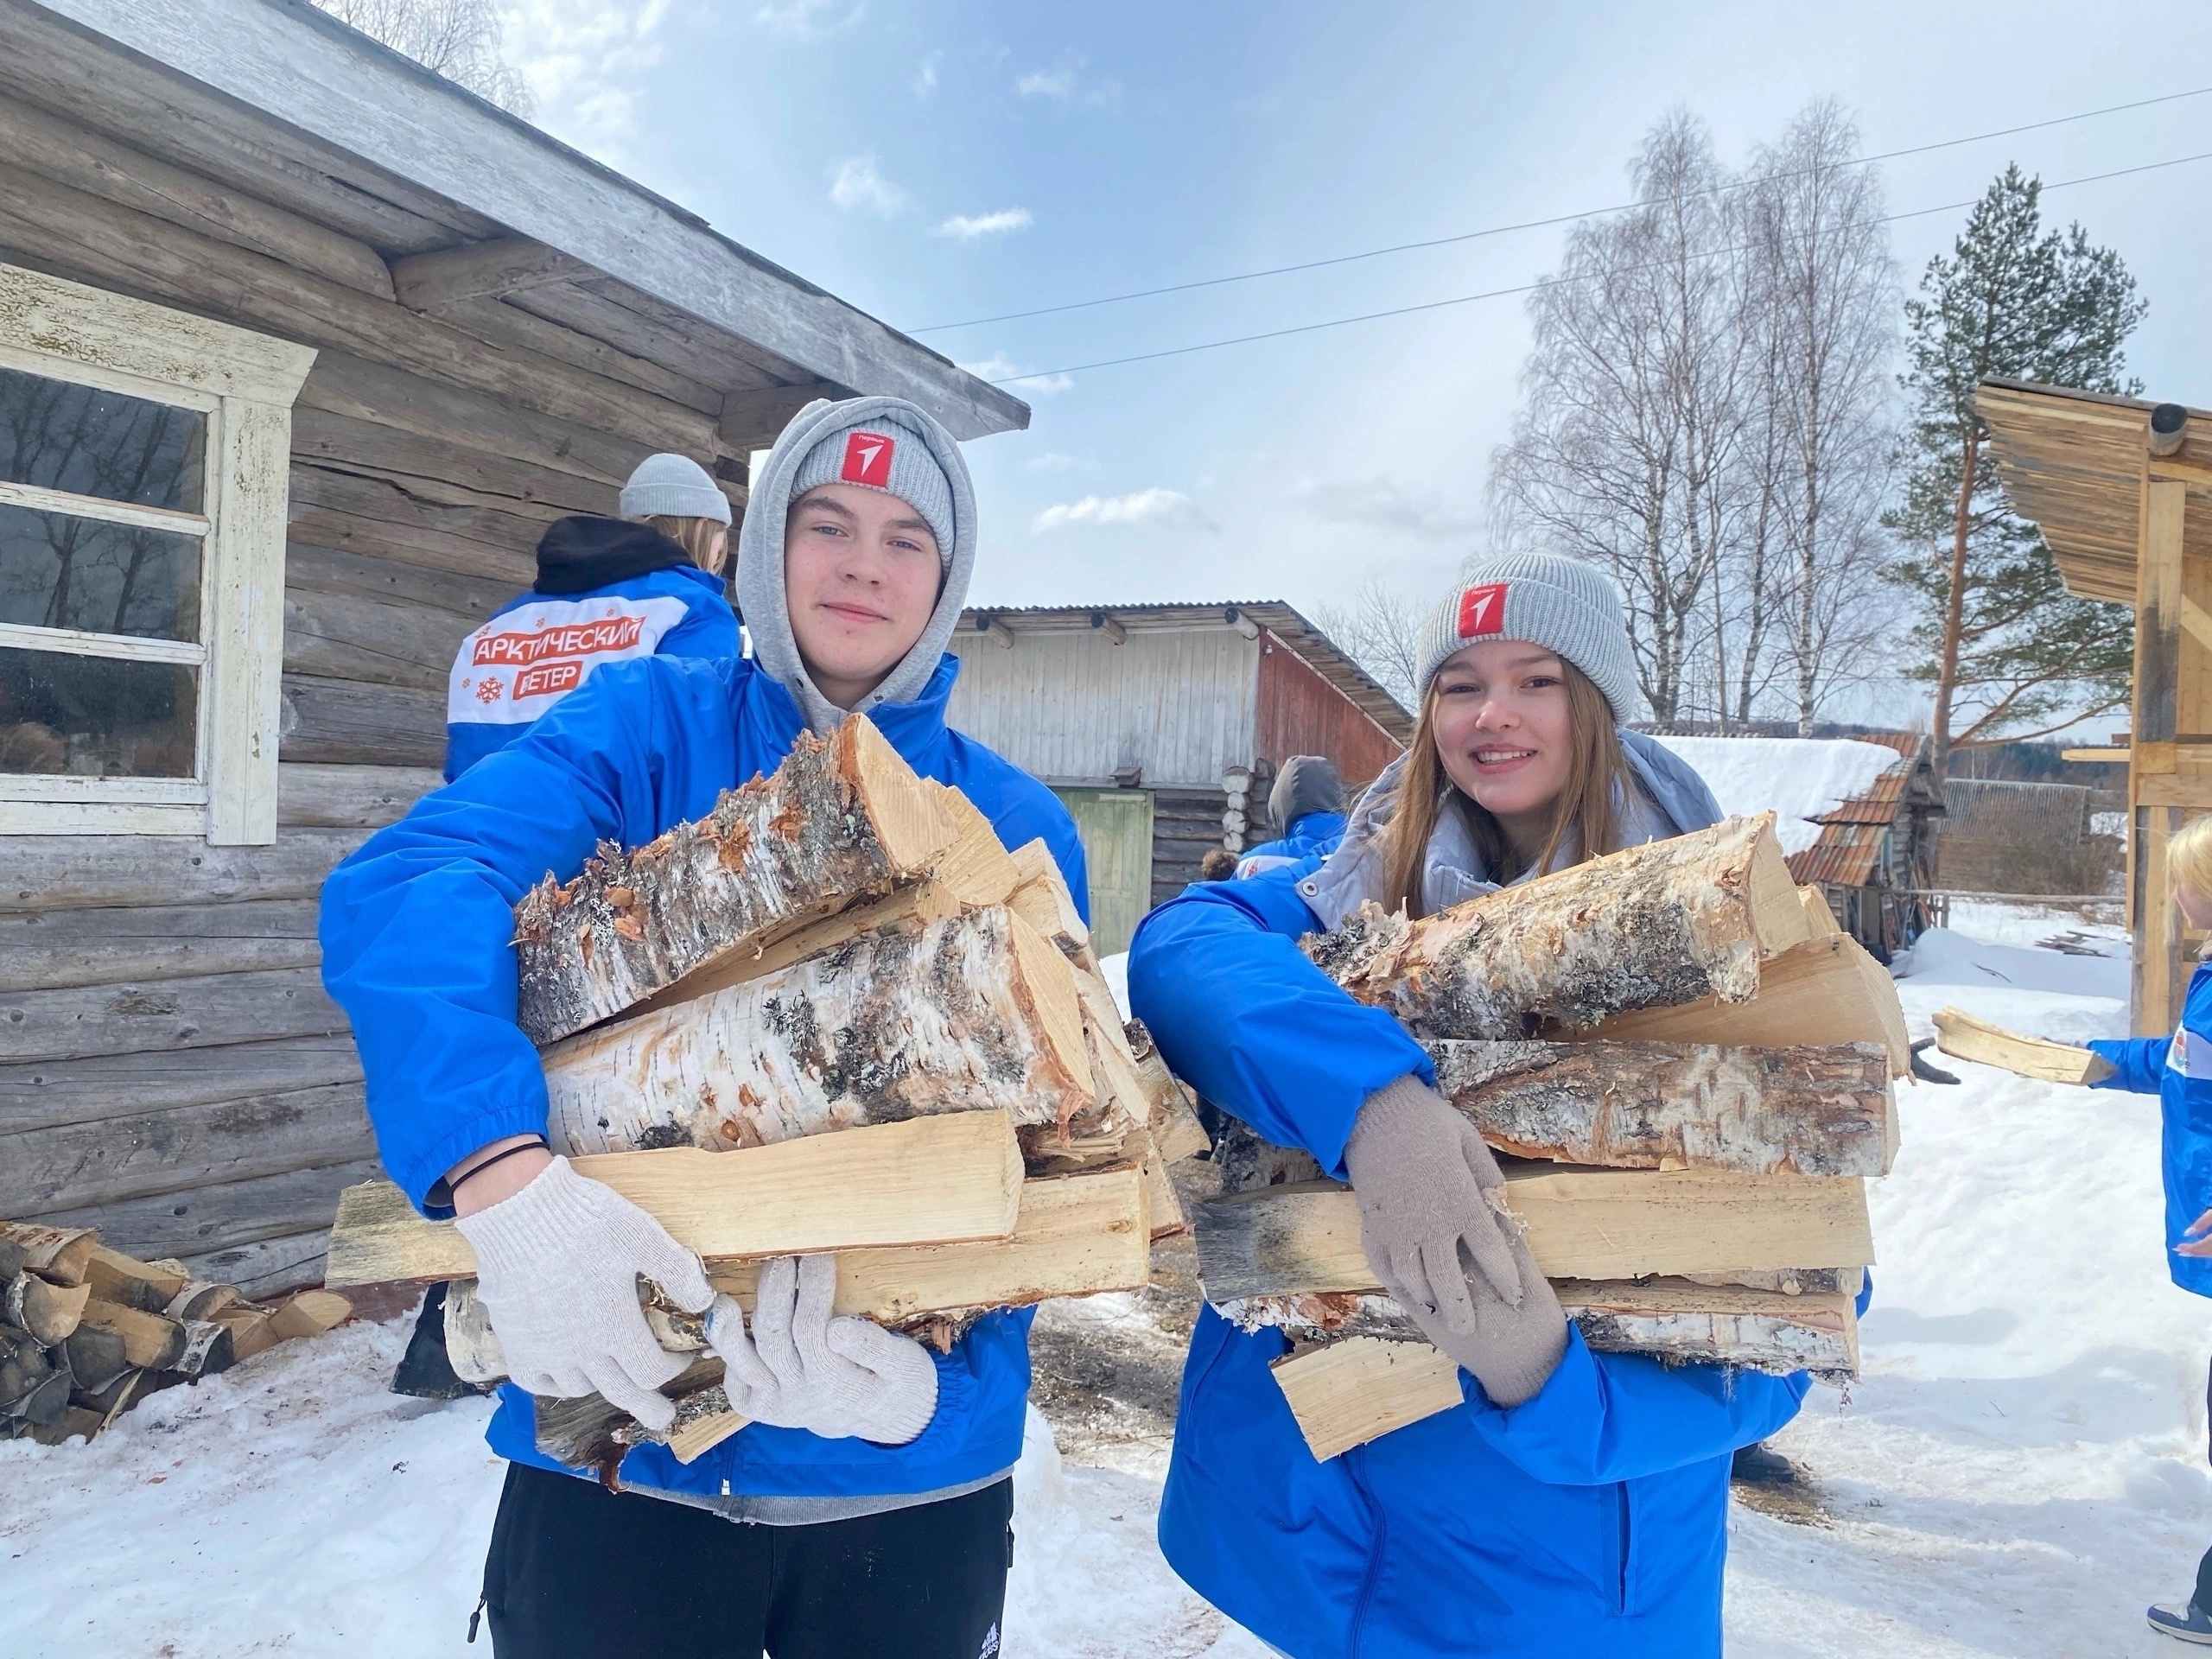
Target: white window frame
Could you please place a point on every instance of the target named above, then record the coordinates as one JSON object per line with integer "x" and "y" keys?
{"x": 243, "y": 383}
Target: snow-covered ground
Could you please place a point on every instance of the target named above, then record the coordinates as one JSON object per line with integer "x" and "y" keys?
{"x": 2021, "y": 1469}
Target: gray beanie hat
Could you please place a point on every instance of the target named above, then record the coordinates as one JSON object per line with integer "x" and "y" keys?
{"x": 674, "y": 487}
{"x": 921, "y": 451}
{"x": 869, "y": 452}
{"x": 1565, "y": 605}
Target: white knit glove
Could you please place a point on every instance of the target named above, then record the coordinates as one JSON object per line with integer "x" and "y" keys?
{"x": 802, "y": 1368}
{"x": 557, "y": 1265}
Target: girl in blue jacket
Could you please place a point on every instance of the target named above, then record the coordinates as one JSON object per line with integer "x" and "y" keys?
{"x": 1576, "y": 1502}
{"x": 875, "y": 1469}
{"x": 2178, "y": 1070}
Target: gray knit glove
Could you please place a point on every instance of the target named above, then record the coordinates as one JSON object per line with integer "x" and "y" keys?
{"x": 557, "y": 1266}
{"x": 800, "y": 1368}
{"x": 1433, "y": 1223}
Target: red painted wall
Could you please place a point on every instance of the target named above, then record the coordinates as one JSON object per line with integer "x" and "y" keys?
{"x": 1300, "y": 713}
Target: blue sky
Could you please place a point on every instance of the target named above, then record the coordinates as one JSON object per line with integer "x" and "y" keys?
{"x": 1147, "y": 143}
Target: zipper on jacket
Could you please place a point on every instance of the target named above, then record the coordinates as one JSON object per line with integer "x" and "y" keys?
{"x": 477, "y": 1614}
{"x": 1621, "y": 1603}
{"x": 1353, "y": 1461}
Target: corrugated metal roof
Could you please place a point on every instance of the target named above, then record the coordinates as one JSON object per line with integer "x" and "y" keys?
{"x": 1844, "y": 856}
{"x": 1320, "y": 652}
{"x": 1851, "y": 834}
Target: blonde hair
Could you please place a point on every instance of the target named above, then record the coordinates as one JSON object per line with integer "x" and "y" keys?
{"x": 1596, "y": 771}
{"x": 696, "y": 538}
{"x": 2189, "y": 857}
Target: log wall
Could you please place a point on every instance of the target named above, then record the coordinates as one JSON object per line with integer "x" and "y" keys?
{"x": 170, "y": 1070}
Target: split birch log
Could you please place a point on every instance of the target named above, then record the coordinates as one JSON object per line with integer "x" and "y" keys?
{"x": 1346, "y": 1392}
{"x": 150, "y": 1286}
{"x": 934, "y": 1180}
{"x": 840, "y": 821}
{"x": 1787, "y": 1282}
{"x": 1174, "y": 1120}
{"x": 74, "y": 1423}
{"x": 201, "y": 1301}
{"x": 45, "y": 1404}
{"x": 96, "y": 1358}
{"x": 25, "y": 1368}
{"x": 150, "y": 1341}
{"x": 47, "y": 1314}
{"x": 1655, "y": 925}
{"x": 1965, "y": 1038}
{"x": 1823, "y": 992}
{"x": 309, "y": 1314}
{"x": 1819, "y": 918}
{"x": 970, "y": 1013}
{"x": 1043, "y": 900}
{"x": 1799, "y": 1110}
{"x": 1596, "y": 1223}
{"x": 208, "y": 1349}
{"x": 118, "y": 1395}
{"x": 58, "y": 1254}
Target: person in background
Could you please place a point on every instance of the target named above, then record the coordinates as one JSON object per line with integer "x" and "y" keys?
{"x": 1308, "y": 802}
{"x": 1218, "y": 864}
{"x": 647, "y": 584}
{"x": 2178, "y": 1070}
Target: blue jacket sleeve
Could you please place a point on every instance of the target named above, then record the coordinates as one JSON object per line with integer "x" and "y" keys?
{"x": 1607, "y": 1417}
{"x": 707, "y": 630}
{"x": 1239, "y": 1013}
{"x": 2137, "y": 1063}
{"x": 415, "y": 926}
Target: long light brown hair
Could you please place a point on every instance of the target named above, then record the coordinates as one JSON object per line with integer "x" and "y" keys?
{"x": 696, "y": 538}
{"x": 1585, "y": 808}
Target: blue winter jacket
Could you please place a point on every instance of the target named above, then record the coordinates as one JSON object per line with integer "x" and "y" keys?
{"x": 416, "y": 929}
{"x": 2178, "y": 1070}
{"x": 540, "y": 646}
{"x": 1591, "y": 1518}
{"x": 1315, "y": 833}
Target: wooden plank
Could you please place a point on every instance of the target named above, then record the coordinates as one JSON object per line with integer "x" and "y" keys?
{"x": 44, "y": 949}
{"x": 243, "y": 598}
{"x": 2189, "y": 789}
{"x": 2098, "y": 757}
{"x": 505, "y": 265}
{"x": 2155, "y": 987}
{"x": 340, "y": 636}
{"x": 2158, "y": 608}
{"x": 625, "y": 318}
{"x": 497, "y": 322}
{"x": 350, "y": 797}
{"x": 323, "y": 438}
{"x": 45, "y": 872}
{"x": 196, "y": 1011}
{"x": 934, "y": 1180}
{"x": 45, "y": 1095}
{"x": 69, "y": 153}
{"x": 84, "y": 1166}
{"x": 1600, "y": 1224}
{"x": 1346, "y": 1394}
{"x": 217, "y": 1216}
{"x": 839, "y": 821}
{"x": 335, "y": 493}
{"x": 755, "y": 419}
{"x": 1961, "y": 1035}
{"x": 268, "y": 1267}
{"x": 467, "y": 599}
{"x": 347, "y": 722}
{"x": 1803, "y": 1111}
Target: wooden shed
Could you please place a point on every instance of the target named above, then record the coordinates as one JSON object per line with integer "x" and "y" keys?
{"x": 301, "y": 349}
{"x": 1876, "y": 853}
{"x": 1162, "y": 726}
{"x": 2122, "y": 491}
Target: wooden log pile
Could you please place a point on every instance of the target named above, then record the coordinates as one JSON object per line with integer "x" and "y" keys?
{"x": 1686, "y": 1071}
{"x": 86, "y": 1332}
{"x": 835, "y": 1014}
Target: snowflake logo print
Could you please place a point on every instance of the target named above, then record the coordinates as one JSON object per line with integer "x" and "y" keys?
{"x": 489, "y": 690}
{"x": 990, "y": 1648}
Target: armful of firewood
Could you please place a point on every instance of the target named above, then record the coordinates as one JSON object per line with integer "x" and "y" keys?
{"x": 1963, "y": 1037}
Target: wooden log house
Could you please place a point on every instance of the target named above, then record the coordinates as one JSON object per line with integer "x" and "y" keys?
{"x": 301, "y": 349}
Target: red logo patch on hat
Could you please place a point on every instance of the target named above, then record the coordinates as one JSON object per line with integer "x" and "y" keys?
{"x": 1482, "y": 610}
{"x": 868, "y": 459}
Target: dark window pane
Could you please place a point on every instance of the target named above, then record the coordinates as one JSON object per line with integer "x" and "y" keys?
{"x": 92, "y": 443}
{"x": 60, "y": 571}
{"x": 96, "y": 716}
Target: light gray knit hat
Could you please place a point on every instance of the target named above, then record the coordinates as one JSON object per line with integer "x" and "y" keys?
{"x": 1565, "y": 605}
{"x": 883, "y": 451}
{"x": 674, "y": 487}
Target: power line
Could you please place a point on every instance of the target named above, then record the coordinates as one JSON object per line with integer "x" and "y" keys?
{"x": 1544, "y": 224}
{"x": 1530, "y": 288}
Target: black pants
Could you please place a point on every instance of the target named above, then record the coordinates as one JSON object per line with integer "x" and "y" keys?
{"x": 2204, "y": 1596}
{"x": 576, "y": 1571}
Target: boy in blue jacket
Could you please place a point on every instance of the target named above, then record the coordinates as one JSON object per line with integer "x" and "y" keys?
{"x": 1308, "y": 802}
{"x": 2178, "y": 1070}
{"x": 874, "y": 1472}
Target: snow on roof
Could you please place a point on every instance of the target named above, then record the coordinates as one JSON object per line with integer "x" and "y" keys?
{"x": 1796, "y": 778}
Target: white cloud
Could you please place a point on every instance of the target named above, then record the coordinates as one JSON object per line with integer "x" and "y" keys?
{"x": 858, "y": 184}
{"x": 1054, "y": 460}
{"x": 1378, "y": 502}
{"x": 926, "y": 74}
{"x": 1169, "y": 509}
{"x": 1066, "y": 85}
{"x": 967, "y": 227}
{"x": 999, "y": 366}
{"x": 1055, "y": 84}
{"x": 583, "y": 62}
{"x": 808, "y": 20}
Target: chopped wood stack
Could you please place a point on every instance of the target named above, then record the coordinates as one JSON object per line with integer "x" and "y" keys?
{"x": 834, "y": 1014}
{"x": 86, "y": 1331}
{"x": 1688, "y": 1071}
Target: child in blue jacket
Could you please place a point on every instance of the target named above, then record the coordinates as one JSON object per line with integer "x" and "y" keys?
{"x": 873, "y": 1472}
{"x": 1575, "y": 1502}
{"x": 1308, "y": 802}
{"x": 2178, "y": 1070}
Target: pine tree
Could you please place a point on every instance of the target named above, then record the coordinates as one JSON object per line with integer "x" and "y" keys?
{"x": 2009, "y": 652}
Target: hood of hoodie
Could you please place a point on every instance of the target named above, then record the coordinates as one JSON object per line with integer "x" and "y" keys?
{"x": 577, "y": 554}
{"x": 761, "y": 599}
{"x": 1670, "y": 799}
{"x": 1308, "y": 783}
